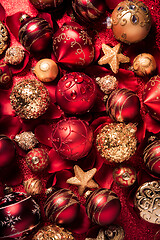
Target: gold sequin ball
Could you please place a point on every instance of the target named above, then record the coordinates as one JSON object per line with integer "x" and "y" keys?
{"x": 26, "y": 140}
{"x": 117, "y": 141}
{"x": 29, "y": 98}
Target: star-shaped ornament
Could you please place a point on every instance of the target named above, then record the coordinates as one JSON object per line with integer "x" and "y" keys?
{"x": 113, "y": 57}
{"x": 83, "y": 179}
{"x": 101, "y": 236}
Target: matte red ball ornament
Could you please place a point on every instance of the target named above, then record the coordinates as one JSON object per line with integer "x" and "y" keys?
{"x": 72, "y": 138}
{"x": 123, "y": 105}
{"x": 48, "y": 5}
{"x": 62, "y": 207}
{"x": 5, "y": 75}
{"x": 76, "y": 93}
{"x": 103, "y": 206}
{"x": 73, "y": 47}
{"x": 124, "y": 175}
{"x": 151, "y": 97}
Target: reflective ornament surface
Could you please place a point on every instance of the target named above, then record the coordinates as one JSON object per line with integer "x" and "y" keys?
{"x": 33, "y": 186}
{"x": 4, "y": 37}
{"x": 14, "y": 55}
{"x": 115, "y": 232}
{"x": 26, "y": 140}
{"x": 124, "y": 175}
{"x": 5, "y": 76}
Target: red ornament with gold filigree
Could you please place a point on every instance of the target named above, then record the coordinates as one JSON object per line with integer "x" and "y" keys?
{"x": 5, "y": 75}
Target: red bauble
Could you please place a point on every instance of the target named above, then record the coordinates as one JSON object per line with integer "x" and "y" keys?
{"x": 103, "y": 206}
{"x": 152, "y": 157}
{"x": 35, "y": 34}
{"x": 76, "y": 93}
{"x": 7, "y": 152}
{"x": 123, "y": 105}
{"x": 62, "y": 207}
{"x": 88, "y": 10}
{"x": 73, "y": 47}
{"x": 48, "y": 5}
{"x": 19, "y": 214}
{"x": 151, "y": 97}
{"x": 5, "y": 76}
{"x": 124, "y": 175}
{"x": 72, "y": 138}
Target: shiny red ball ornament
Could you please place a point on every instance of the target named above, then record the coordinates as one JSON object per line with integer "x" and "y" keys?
{"x": 48, "y": 5}
{"x": 19, "y": 214}
{"x": 73, "y": 47}
{"x": 76, "y": 93}
{"x": 123, "y": 105}
{"x": 124, "y": 175}
{"x": 88, "y": 10}
{"x": 151, "y": 97}
{"x": 5, "y": 75}
{"x": 72, "y": 138}
{"x": 35, "y": 34}
{"x": 62, "y": 207}
{"x": 103, "y": 206}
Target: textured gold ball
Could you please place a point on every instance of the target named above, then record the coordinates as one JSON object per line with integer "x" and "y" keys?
{"x": 33, "y": 186}
{"x": 131, "y": 21}
{"x": 144, "y": 64}
{"x": 46, "y": 70}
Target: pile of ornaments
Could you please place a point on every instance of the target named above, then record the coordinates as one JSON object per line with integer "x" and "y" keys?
{"x": 71, "y": 137}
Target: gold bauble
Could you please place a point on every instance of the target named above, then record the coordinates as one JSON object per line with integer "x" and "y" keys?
{"x": 144, "y": 64}
{"x": 131, "y": 21}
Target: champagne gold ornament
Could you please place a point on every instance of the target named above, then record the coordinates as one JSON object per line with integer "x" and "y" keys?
{"x": 14, "y": 55}
{"x": 33, "y": 186}
{"x": 115, "y": 232}
{"x": 107, "y": 83}
{"x": 4, "y": 36}
{"x": 100, "y": 236}
{"x": 26, "y": 140}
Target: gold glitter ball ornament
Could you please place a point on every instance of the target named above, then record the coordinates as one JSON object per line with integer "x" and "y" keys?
{"x": 32, "y": 186}
{"x": 26, "y": 140}
{"x": 107, "y": 83}
{"x": 144, "y": 64}
{"x": 53, "y": 232}
{"x": 117, "y": 141}
{"x": 4, "y": 37}
{"x": 30, "y": 99}
{"x": 14, "y": 55}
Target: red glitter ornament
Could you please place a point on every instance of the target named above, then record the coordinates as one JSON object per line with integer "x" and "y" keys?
{"x": 72, "y": 138}
{"x": 151, "y": 97}
{"x": 123, "y": 105}
{"x": 5, "y": 76}
{"x": 62, "y": 207}
{"x": 76, "y": 93}
{"x": 103, "y": 206}
{"x": 73, "y": 47}
{"x": 37, "y": 159}
{"x": 124, "y": 175}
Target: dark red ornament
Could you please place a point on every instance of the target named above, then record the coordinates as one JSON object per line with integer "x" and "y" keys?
{"x": 48, "y": 5}
{"x": 72, "y": 138}
{"x": 35, "y": 34}
{"x": 62, "y": 207}
{"x": 151, "y": 97}
{"x": 19, "y": 214}
{"x": 73, "y": 47}
{"x": 123, "y": 105}
{"x": 5, "y": 75}
{"x": 103, "y": 206}
{"x": 88, "y": 10}
{"x": 124, "y": 175}
{"x": 76, "y": 93}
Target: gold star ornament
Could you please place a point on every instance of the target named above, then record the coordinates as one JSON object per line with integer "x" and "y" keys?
{"x": 83, "y": 179}
{"x": 113, "y": 57}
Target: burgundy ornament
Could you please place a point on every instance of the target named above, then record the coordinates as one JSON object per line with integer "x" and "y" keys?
{"x": 35, "y": 34}
{"x": 72, "y": 138}
{"x": 73, "y": 47}
{"x": 76, "y": 93}
{"x": 62, "y": 207}
{"x": 123, "y": 105}
{"x": 5, "y": 75}
{"x": 103, "y": 206}
{"x": 124, "y": 175}
{"x": 151, "y": 97}
{"x": 88, "y": 10}
{"x": 19, "y": 214}
{"x": 48, "y": 5}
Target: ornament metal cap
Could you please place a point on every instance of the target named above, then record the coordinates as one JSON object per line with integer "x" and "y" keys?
{"x": 23, "y": 17}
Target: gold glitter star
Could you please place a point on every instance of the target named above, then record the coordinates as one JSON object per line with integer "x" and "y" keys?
{"x": 113, "y": 57}
{"x": 101, "y": 236}
{"x": 83, "y": 179}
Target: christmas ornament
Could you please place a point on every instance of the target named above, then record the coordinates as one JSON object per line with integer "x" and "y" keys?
{"x": 37, "y": 159}
{"x": 88, "y": 11}
{"x": 103, "y": 206}
{"x": 130, "y": 21}
{"x": 62, "y": 207}
{"x": 76, "y": 93}
{"x": 51, "y": 232}
{"x": 46, "y": 70}
{"x": 147, "y": 201}
{"x": 124, "y": 175}
{"x": 123, "y": 105}
{"x": 29, "y": 98}
{"x": 107, "y": 83}
{"x": 33, "y": 186}
{"x": 144, "y": 64}
{"x": 100, "y": 236}
{"x": 73, "y": 47}
{"x": 5, "y": 75}
{"x": 72, "y": 138}
{"x": 117, "y": 141}
{"x": 115, "y": 232}
{"x": 35, "y": 34}
{"x": 48, "y": 5}
{"x": 14, "y": 55}
{"x": 26, "y": 140}
{"x": 152, "y": 157}
{"x": 83, "y": 179}
{"x": 19, "y": 214}
{"x": 151, "y": 96}
{"x": 113, "y": 57}
{"x": 4, "y": 37}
